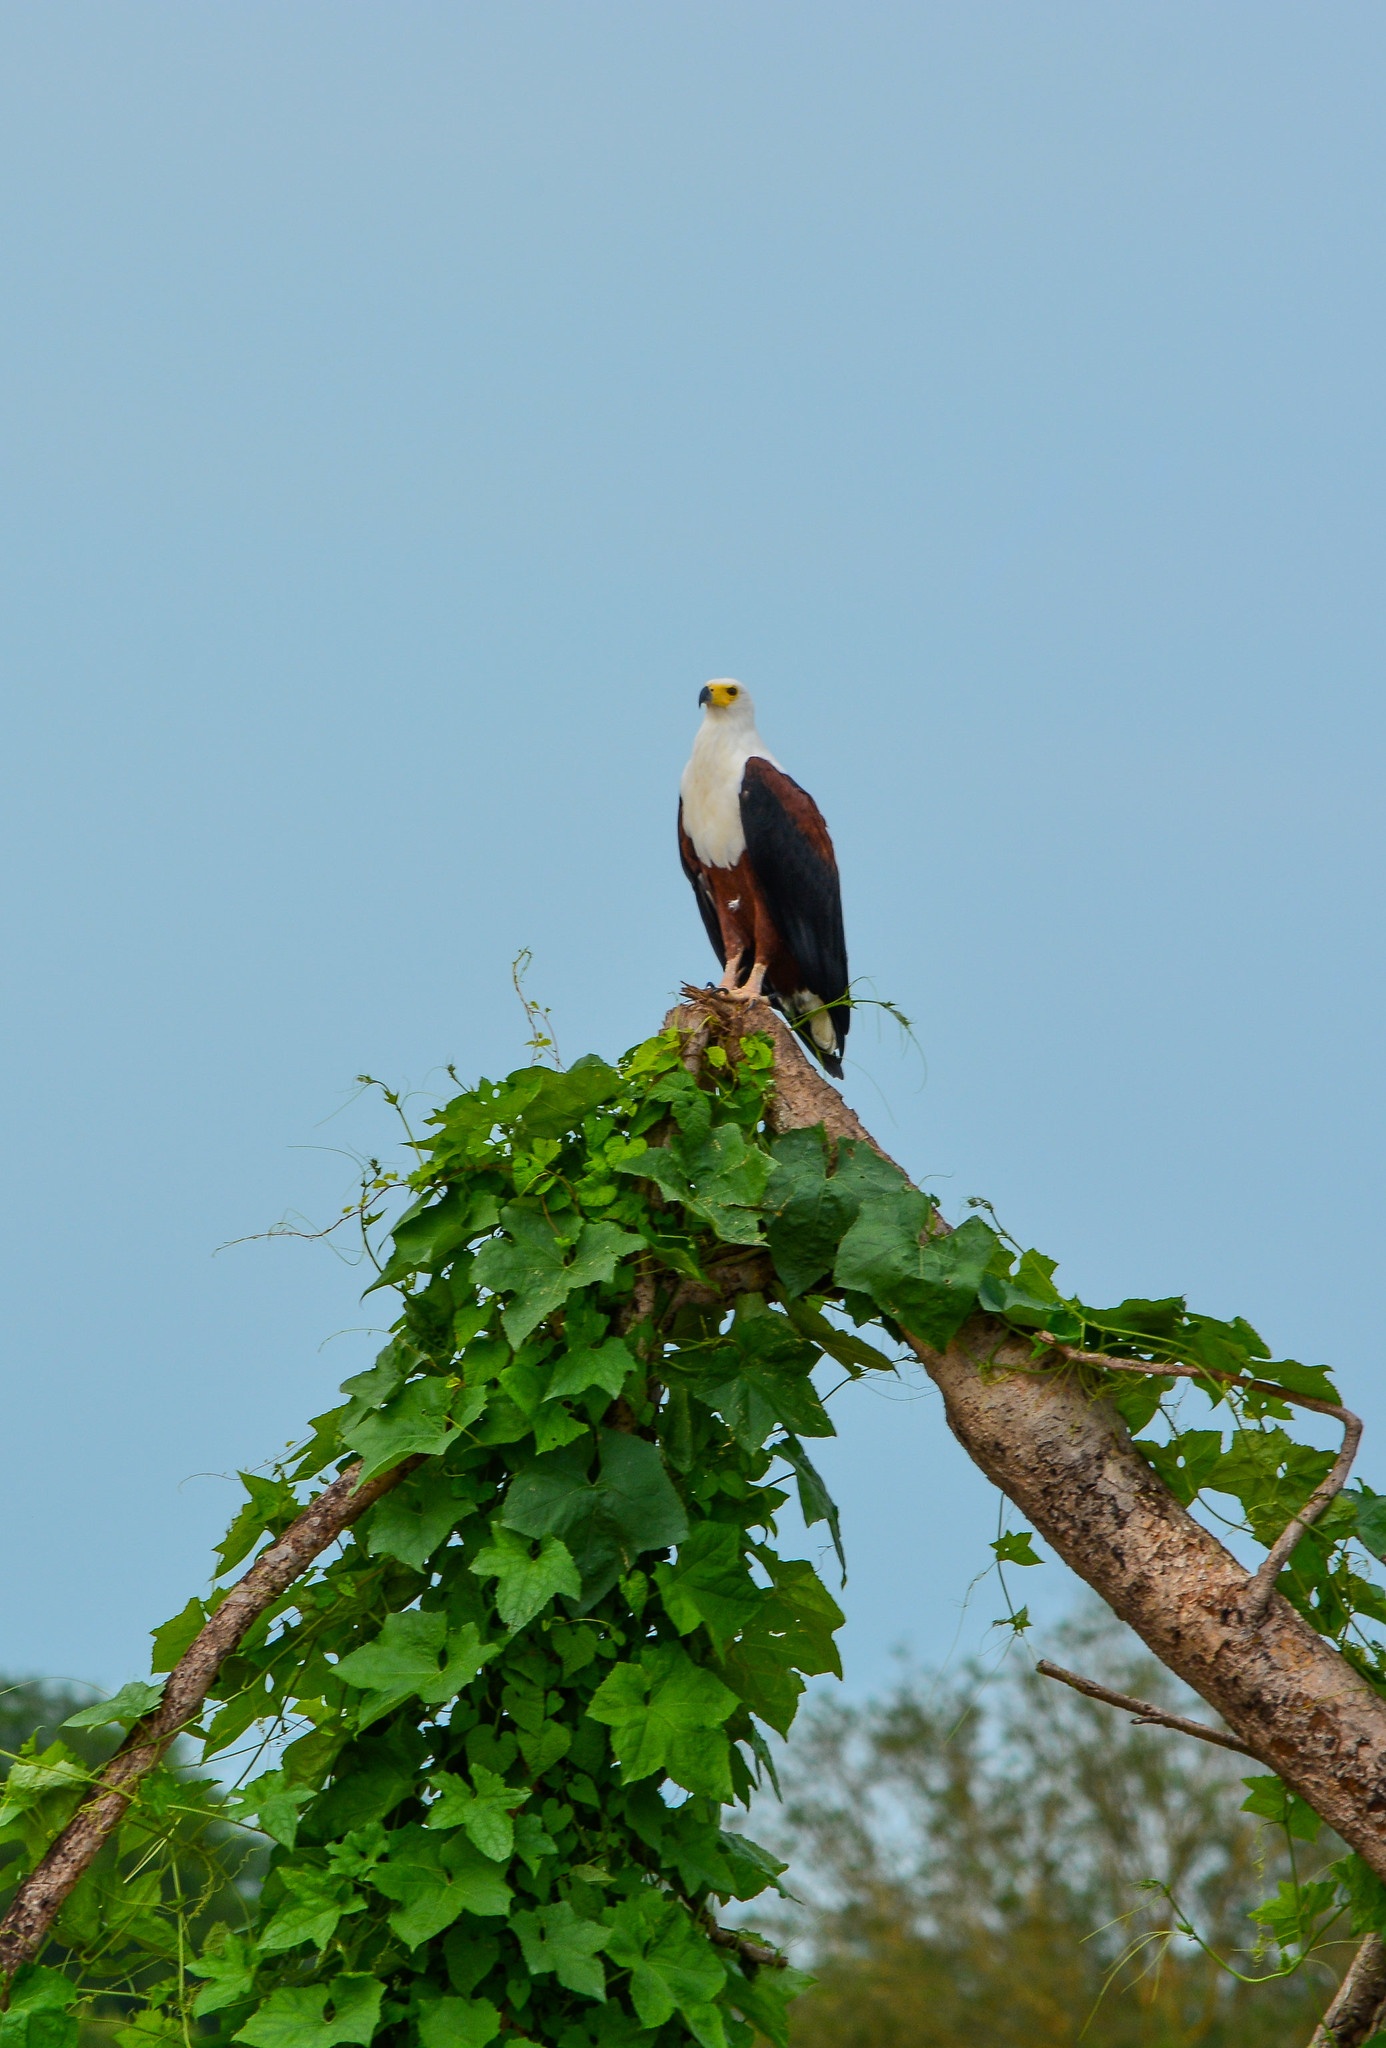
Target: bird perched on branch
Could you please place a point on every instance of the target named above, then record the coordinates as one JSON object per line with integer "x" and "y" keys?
{"x": 757, "y": 852}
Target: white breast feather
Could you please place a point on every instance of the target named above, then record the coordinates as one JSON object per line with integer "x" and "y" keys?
{"x": 711, "y": 789}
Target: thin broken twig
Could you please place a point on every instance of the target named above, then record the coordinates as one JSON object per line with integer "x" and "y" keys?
{"x": 1143, "y": 1711}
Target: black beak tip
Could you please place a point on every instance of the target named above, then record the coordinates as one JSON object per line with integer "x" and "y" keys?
{"x": 705, "y": 695}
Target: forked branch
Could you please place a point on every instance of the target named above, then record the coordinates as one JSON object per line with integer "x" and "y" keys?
{"x": 1280, "y": 1552}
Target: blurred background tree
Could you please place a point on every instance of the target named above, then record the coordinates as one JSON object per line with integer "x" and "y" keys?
{"x": 974, "y": 1860}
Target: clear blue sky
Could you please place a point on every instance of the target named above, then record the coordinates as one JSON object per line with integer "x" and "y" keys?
{"x": 406, "y": 408}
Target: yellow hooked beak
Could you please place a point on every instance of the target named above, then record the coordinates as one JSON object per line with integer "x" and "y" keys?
{"x": 719, "y": 695}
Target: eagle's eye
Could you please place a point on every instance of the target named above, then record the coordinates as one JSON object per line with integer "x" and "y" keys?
{"x": 732, "y": 693}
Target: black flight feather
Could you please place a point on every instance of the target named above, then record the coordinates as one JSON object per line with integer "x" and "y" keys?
{"x": 800, "y": 887}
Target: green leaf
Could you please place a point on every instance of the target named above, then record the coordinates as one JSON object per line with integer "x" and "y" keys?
{"x": 672, "y": 1967}
{"x": 1187, "y": 1462}
{"x": 816, "y": 1504}
{"x": 526, "y": 1583}
{"x": 1016, "y": 1547}
{"x": 718, "y": 1176}
{"x": 1136, "y": 1400}
{"x": 561, "y": 1100}
{"x": 230, "y": 1962}
{"x": 432, "y": 1878}
{"x": 928, "y": 1284}
{"x": 1370, "y": 1513}
{"x": 1313, "y": 1380}
{"x": 275, "y": 1802}
{"x": 1270, "y": 1474}
{"x": 414, "y": 1518}
{"x": 413, "y": 1423}
{"x": 37, "y": 1989}
{"x": 709, "y": 1583}
{"x": 373, "y": 1388}
{"x": 845, "y": 1346}
{"x": 528, "y": 1264}
{"x": 45, "y": 2028}
{"x": 174, "y": 1638}
{"x": 370, "y": 1778}
{"x": 1271, "y": 1800}
{"x": 532, "y": 1843}
{"x": 608, "y": 1367}
{"x": 631, "y": 1507}
{"x": 426, "y": 1236}
{"x": 316, "y": 1901}
{"x": 317, "y": 2015}
{"x": 763, "y": 1999}
{"x": 483, "y": 1809}
{"x": 272, "y": 1502}
{"x": 33, "y": 1776}
{"x": 415, "y": 1656}
{"x": 131, "y": 1703}
{"x": 1364, "y": 1891}
{"x": 458, "y": 2023}
{"x": 664, "y": 1713}
{"x": 555, "y": 1940}
{"x": 1139, "y": 1318}
{"x": 37, "y": 2009}
{"x": 862, "y": 1168}
{"x": 811, "y": 1213}
{"x": 1293, "y": 1915}
{"x": 793, "y": 1632}
{"x": 768, "y": 1383}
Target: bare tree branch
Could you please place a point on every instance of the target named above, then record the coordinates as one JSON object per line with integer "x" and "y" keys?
{"x": 39, "y": 1899}
{"x": 1143, "y": 1711}
{"x": 1357, "y": 2011}
{"x": 1271, "y": 1566}
{"x": 753, "y": 1952}
{"x": 1066, "y": 1459}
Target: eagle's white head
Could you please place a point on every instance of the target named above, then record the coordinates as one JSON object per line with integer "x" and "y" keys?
{"x": 711, "y": 786}
{"x": 727, "y": 706}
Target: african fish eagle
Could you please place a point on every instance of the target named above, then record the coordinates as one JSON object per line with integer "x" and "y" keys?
{"x": 756, "y": 849}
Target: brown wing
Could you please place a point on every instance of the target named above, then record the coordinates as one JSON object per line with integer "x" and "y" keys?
{"x": 693, "y": 868}
{"x": 796, "y": 872}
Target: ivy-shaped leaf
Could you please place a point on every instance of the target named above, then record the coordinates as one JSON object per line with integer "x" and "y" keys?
{"x": 555, "y": 1940}
{"x": 415, "y": 1656}
{"x": 709, "y": 1583}
{"x": 607, "y": 1521}
{"x": 665, "y": 1713}
{"x": 527, "y": 1581}
{"x": 131, "y": 1703}
{"x": 673, "y": 1968}
{"x": 458, "y": 2023}
{"x": 317, "y": 2015}
{"x": 432, "y": 1879}
{"x": 483, "y": 1809}
{"x": 718, "y": 1176}
{"x": 416, "y": 1422}
{"x": 529, "y": 1265}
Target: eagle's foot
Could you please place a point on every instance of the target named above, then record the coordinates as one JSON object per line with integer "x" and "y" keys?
{"x": 748, "y": 991}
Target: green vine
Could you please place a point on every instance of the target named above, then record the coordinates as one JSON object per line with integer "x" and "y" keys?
{"x": 493, "y": 1739}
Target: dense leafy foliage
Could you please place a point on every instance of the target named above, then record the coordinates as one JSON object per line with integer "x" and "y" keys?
{"x": 493, "y": 1740}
